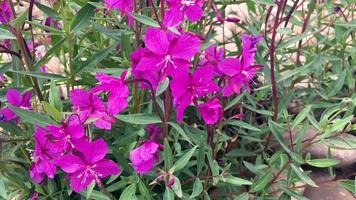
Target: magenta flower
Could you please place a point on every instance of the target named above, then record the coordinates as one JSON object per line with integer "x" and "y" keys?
{"x": 124, "y": 6}
{"x": 87, "y": 165}
{"x": 42, "y": 156}
{"x": 211, "y": 111}
{"x": 249, "y": 49}
{"x": 117, "y": 91}
{"x": 239, "y": 71}
{"x": 89, "y": 106}
{"x": 177, "y": 9}
{"x": 67, "y": 133}
{"x": 143, "y": 157}
{"x": 153, "y": 131}
{"x": 5, "y": 12}
{"x": 150, "y": 76}
{"x": 15, "y": 98}
{"x": 186, "y": 88}
{"x": 169, "y": 53}
{"x": 212, "y": 56}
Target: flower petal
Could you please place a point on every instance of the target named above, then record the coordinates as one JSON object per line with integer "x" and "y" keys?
{"x": 182, "y": 50}
{"x": 106, "y": 167}
{"x": 14, "y": 97}
{"x": 156, "y": 40}
{"x": 70, "y": 163}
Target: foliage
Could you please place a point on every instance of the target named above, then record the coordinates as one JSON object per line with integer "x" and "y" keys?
{"x": 234, "y": 135}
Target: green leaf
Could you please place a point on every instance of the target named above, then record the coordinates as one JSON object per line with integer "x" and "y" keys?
{"x": 117, "y": 186}
{"x": 54, "y": 97}
{"x": 301, "y": 116}
{"x": 52, "y": 111}
{"x": 48, "y": 11}
{"x": 242, "y": 125}
{"x": 145, "y": 20}
{"x": 167, "y": 154}
{"x": 197, "y": 189}
{"x": 40, "y": 75}
{"x": 305, "y": 178}
{"x": 243, "y": 196}
{"x": 141, "y": 118}
{"x": 168, "y": 194}
{"x": 177, "y": 188}
{"x": 3, "y": 190}
{"x": 180, "y": 131}
{"x": 5, "y": 34}
{"x": 90, "y": 189}
{"x": 32, "y": 117}
{"x": 262, "y": 182}
{"x": 236, "y": 181}
{"x": 82, "y": 18}
{"x": 142, "y": 187}
{"x": 234, "y": 101}
{"x": 93, "y": 60}
{"x": 183, "y": 161}
{"x": 95, "y": 195}
{"x": 322, "y": 162}
{"x": 162, "y": 86}
{"x": 276, "y": 130}
{"x": 129, "y": 192}
{"x": 12, "y": 128}
{"x": 350, "y": 185}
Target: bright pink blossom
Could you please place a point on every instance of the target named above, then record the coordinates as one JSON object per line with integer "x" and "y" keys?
{"x": 186, "y": 88}
{"x": 168, "y": 53}
{"x": 42, "y": 156}
{"x": 67, "y": 133}
{"x": 143, "y": 157}
{"x": 87, "y": 165}
{"x": 177, "y": 9}
{"x": 90, "y": 106}
{"x": 211, "y": 111}
{"x": 147, "y": 75}
{"x": 212, "y": 56}
{"x": 15, "y": 98}
{"x": 124, "y": 6}
{"x": 117, "y": 91}
{"x": 239, "y": 71}
{"x": 5, "y": 12}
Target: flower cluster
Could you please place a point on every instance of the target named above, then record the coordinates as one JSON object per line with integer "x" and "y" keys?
{"x": 199, "y": 77}
{"x": 69, "y": 147}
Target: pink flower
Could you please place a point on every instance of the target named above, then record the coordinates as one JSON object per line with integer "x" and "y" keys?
{"x": 89, "y": 106}
{"x": 15, "y": 98}
{"x": 144, "y": 156}
{"x": 67, "y": 133}
{"x": 87, "y": 165}
{"x": 5, "y": 12}
{"x": 168, "y": 53}
{"x": 124, "y": 6}
{"x": 42, "y": 156}
{"x": 186, "y": 88}
{"x": 211, "y": 111}
{"x": 177, "y": 9}
{"x": 148, "y": 75}
{"x": 212, "y": 56}
{"x": 153, "y": 131}
{"x": 117, "y": 91}
{"x": 239, "y": 71}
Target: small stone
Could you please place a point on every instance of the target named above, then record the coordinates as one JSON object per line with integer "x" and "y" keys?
{"x": 328, "y": 191}
{"x": 347, "y": 157}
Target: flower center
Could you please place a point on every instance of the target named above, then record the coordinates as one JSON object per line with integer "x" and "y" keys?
{"x": 167, "y": 60}
{"x": 187, "y": 2}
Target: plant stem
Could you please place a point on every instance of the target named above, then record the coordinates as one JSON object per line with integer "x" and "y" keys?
{"x": 25, "y": 52}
